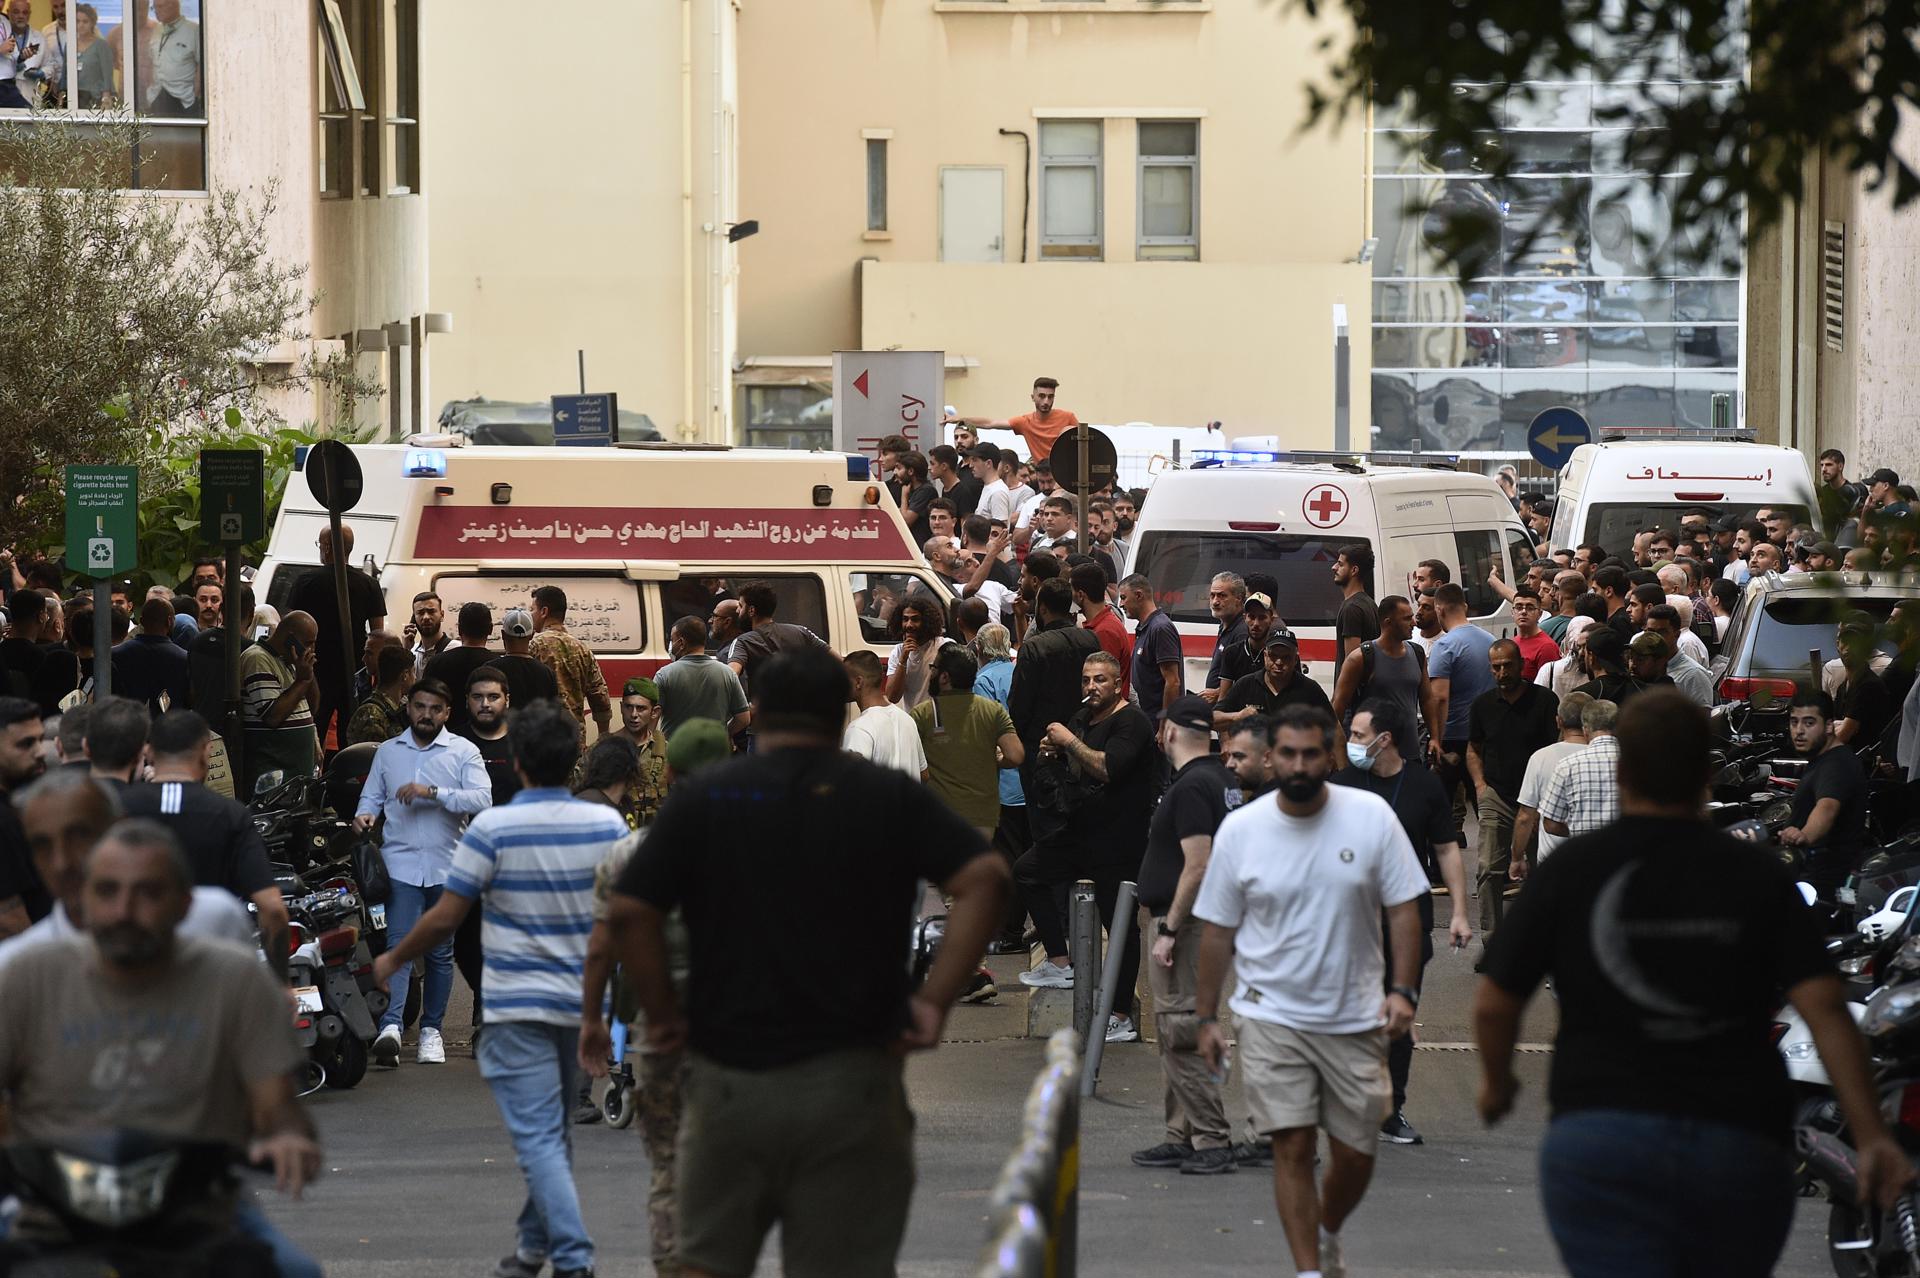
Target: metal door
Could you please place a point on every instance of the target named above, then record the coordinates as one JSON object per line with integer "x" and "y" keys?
{"x": 973, "y": 209}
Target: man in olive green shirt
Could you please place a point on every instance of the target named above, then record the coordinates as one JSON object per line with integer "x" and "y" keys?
{"x": 967, "y": 740}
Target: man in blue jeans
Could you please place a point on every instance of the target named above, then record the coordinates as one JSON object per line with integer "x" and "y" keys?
{"x": 1670, "y": 1152}
{"x": 533, "y": 860}
{"x": 426, "y": 782}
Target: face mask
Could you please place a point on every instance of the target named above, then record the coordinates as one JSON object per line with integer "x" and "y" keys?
{"x": 1357, "y": 755}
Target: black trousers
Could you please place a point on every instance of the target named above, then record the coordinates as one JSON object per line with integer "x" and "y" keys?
{"x": 1046, "y": 875}
{"x": 1010, "y": 839}
{"x": 466, "y": 955}
{"x": 1400, "y": 1050}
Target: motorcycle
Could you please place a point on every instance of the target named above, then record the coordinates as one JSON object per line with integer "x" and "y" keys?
{"x": 331, "y": 971}
{"x": 126, "y": 1204}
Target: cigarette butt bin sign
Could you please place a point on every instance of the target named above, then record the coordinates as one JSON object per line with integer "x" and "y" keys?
{"x": 102, "y": 526}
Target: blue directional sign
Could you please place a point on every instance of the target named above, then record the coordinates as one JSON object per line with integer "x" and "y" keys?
{"x": 1554, "y": 434}
{"x": 585, "y": 420}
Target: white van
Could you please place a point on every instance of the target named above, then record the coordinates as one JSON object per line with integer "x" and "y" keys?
{"x": 1610, "y": 491}
{"x": 637, "y": 535}
{"x": 1291, "y": 519}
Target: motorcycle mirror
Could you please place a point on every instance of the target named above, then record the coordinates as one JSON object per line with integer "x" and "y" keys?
{"x": 268, "y": 781}
{"x": 1807, "y": 893}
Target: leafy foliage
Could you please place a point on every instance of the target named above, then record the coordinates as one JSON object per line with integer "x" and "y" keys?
{"x": 1833, "y": 76}
{"x": 169, "y": 516}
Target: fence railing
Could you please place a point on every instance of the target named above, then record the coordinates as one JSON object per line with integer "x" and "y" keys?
{"x": 1034, "y": 1210}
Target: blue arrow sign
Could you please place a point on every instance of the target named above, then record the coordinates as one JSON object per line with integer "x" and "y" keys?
{"x": 584, "y": 420}
{"x": 1554, "y": 434}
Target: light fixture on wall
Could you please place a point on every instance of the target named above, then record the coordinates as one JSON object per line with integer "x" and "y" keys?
{"x": 368, "y": 340}
{"x": 399, "y": 335}
{"x": 438, "y": 321}
{"x": 737, "y": 231}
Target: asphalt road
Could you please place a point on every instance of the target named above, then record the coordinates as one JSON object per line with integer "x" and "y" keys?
{"x": 421, "y": 1179}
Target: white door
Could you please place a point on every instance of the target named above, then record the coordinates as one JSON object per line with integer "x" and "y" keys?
{"x": 973, "y": 210}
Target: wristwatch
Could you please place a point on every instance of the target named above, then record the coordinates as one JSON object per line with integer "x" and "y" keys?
{"x": 1162, "y": 928}
{"x": 433, "y": 792}
{"x": 1408, "y": 993}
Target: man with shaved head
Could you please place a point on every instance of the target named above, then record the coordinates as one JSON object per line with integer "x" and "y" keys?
{"x": 314, "y": 595}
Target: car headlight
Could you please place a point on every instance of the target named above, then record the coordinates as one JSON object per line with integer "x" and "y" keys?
{"x": 115, "y": 1196}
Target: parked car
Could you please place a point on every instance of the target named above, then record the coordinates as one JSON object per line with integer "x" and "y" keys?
{"x": 1784, "y": 617}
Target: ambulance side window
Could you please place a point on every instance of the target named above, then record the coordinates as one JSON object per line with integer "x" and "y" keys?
{"x": 875, "y": 597}
{"x": 802, "y": 600}
{"x": 1519, "y": 553}
{"x": 1479, "y": 552}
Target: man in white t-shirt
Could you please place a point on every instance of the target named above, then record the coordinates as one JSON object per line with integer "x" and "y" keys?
{"x": 1293, "y": 897}
{"x": 1540, "y": 766}
{"x": 996, "y": 499}
{"x": 882, "y": 732}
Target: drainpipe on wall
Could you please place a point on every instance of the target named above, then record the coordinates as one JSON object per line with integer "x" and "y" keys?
{"x": 689, "y": 428}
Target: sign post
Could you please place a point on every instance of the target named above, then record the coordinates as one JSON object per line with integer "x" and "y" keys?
{"x": 102, "y": 537}
{"x": 1084, "y": 459}
{"x": 1554, "y": 434}
{"x": 882, "y": 393}
{"x": 233, "y": 512}
{"x": 333, "y": 476}
{"x": 585, "y": 421}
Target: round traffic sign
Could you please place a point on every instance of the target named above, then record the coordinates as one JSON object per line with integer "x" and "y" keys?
{"x": 1103, "y": 462}
{"x": 1554, "y": 434}
{"x": 1326, "y": 506}
{"x": 333, "y": 475}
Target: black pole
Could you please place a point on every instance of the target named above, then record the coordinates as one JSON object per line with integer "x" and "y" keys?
{"x": 234, "y": 729}
{"x": 102, "y": 639}
{"x": 341, "y": 602}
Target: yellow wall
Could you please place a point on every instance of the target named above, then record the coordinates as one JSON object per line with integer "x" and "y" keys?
{"x": 945, "y": 77}
{"x": 559, "y": 226}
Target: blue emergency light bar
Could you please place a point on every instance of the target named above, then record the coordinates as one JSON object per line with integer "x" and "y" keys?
{"x": 424, "y": 463}
{"x": 1263, "y": 457}
{"x": 859, "y": 466}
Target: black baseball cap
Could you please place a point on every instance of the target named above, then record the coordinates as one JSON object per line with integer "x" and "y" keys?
{"x": 1884, "y": 475}
{"x": 1281, "y": 637}
{"x": 1191, "y": 712}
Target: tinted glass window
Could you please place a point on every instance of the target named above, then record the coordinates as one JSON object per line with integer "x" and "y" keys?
{"x": 1788, "y": 629}
{"x": 1613, "y": 525}
{"x": 802, "y": 600}
{"x": 1478, "y": 553}
{"x": 1181, "y": 565}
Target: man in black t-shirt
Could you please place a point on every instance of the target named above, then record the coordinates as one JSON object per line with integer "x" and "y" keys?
{"x": 1227, "y": 599}
{"x": 1280, "y": 682}
{"x": 1504, "y": 727}
{"x": 1375, "y": 762}
{"x": 1669, "y": 944}
{"x": 1863, "y": 703}
{"x": 452, "y": 666}
{"x": 1830, "y": 804}
{"x": 216, "y": 833}
{"x": 24, "y": 899}
{"x": 755, "y": 853}
{"x": 314, "y": 595}
{"x": 1179, "y": 842}
{"x": 20, "y": 648}
{"x": 486, "y": 697}
{"x": 1358, "y": 619}
{"x": 529, "y": 679}
{"x": 1238, "y": 660}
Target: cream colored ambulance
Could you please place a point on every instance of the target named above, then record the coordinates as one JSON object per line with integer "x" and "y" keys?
{"x": 637, "y": 535}
{"x": 1611, "y": 490}
{"x": 1291, "y": 518}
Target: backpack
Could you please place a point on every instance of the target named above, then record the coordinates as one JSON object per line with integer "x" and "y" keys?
{"x": 1366, "y": 664}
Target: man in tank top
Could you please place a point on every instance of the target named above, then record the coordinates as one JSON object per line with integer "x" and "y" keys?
{"x": 1388, "y": 668}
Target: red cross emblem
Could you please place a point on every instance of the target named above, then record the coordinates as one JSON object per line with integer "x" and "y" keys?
{"x": 1326, "y": 506}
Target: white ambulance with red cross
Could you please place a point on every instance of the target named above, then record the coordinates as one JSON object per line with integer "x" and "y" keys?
{"x": 638, "y": 536}
{"x": 1291, "y": 519}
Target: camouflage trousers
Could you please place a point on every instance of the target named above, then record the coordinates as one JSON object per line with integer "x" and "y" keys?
{"x": 662, "y": 1086}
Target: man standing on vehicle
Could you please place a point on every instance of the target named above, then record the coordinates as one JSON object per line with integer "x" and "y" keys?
{"x": 425, "y": 782}
{"x": 1375, "y": 762}
{"x": 1830, "y": 803}
{"x": 784, "y": 836}
{"x": 1179, "y": 843}
{"x": 1358, "y": 619}
{"x": 531, "y": 865}
{"x": 695, "y": 686}
{"x": 1227, "y": 599}
{"x": 216, "y": 833}
{"x": 1504, "y": 727}
{"x": 209, "y": 1056}
{"x": 1668, "y": 943}
{"x": 1157, "y": 677}
{"x": 313, "y": 594}
{"x": 1043, "y": 425}
{"x": 583, "y": 689}
{"x": 1313, "y": 1052}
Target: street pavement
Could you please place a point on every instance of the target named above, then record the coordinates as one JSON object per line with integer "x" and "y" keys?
{"x": 421, "y": 1180}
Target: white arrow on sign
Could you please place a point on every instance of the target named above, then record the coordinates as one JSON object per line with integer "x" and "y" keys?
{"x": 560, "y": 416}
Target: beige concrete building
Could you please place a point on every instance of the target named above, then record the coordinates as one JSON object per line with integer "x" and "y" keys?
{"x": 1833, "y": 354}
{"x": 602, "y": 228}
{"x": 1113, "y": 193}
{"x": 240, "y": 95}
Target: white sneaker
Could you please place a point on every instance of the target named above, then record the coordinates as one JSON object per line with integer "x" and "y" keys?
{"x": 386, "y": 1048}
{"x": 1121, "y": 1029}
{"x": 1048, "y": 976}
{"x": 431, "y": 1050}
{"x": 1332, "y": 1263}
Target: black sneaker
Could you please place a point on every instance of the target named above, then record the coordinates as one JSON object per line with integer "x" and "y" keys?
{"x": 1251, "y": 1153}
{"x": 573, "y": 1273}
{"x": 1398, "y": 1131}
{"x": 584, "y": 1115}
{"x": 1008, "y": 945}
{"x": 981, "y": 989}
{"x": 514, "y": 1267}
{"x": 1166, "y": 1155}
{"x": 1210, "y": 1162}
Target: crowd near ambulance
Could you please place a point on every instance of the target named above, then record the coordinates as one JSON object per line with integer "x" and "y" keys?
{"x": 617, "y": 733}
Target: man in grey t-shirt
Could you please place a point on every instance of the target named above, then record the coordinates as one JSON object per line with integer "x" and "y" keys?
{"x": 694, "y": 685}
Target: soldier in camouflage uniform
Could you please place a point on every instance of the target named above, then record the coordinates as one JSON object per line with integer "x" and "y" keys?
{"x": 663, "y": 1075}
{"x": 640, "y": 724}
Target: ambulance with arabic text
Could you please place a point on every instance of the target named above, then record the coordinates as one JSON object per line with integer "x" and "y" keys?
{"x": 637, "y": 535}
{"x": 1611, "y": 490}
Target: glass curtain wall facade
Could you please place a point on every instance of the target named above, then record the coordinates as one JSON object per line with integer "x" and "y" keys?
{"x": 1610, "y": 309}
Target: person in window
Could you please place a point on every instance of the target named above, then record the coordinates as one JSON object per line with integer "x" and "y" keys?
{"x": 94, "y": 59}
{"x": 19, "y": 45}
{"x": 175, "y": 87}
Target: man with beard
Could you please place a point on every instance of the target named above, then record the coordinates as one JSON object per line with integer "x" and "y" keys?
{"x": 1830, "y": 804}
{"x": 488, "y": 699}
{"x": 1296, "y": 888}
{"x": 425, "y": 781}
{"x": 454, "y": 665}
{"x": 1280, "y": 682}
{"x": 1227, "y": 600}
{"x": 24, "y": 899}
{"x": 1239, "y": 660}
{"x": 132, "y": 1026}
{"x": 430, "y": 637}
{"x": 1244, "y": 749}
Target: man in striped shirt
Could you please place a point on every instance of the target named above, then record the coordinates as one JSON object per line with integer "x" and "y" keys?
{"x": 533, "y": 860}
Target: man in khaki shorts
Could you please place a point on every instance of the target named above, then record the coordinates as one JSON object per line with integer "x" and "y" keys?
{"x": 1293, "y": 895}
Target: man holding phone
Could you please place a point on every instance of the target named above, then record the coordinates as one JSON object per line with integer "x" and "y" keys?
{"x": 277, "y": 683}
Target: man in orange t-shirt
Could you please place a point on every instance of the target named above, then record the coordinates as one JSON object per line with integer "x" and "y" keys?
{"x": 1044, "y": 424}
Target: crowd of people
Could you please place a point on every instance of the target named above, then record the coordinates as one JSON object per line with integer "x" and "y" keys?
{"x": 72, "y": 61}
{"x": 1288, "y": 846}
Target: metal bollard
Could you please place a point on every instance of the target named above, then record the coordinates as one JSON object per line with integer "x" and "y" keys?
{"x": 1033, "y": 1210}
{"x": 1110, "y": 978}
{"x": 1083, "y": 951}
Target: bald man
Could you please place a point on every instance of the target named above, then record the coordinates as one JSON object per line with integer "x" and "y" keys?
{"x": 314, "y": 594}
{"x": 277, "y": 687}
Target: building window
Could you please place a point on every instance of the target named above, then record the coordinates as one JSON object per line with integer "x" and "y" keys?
{"x": 369, "y": 97}
{"x": 876, "y": 184}
{"x": 341, "y": 94}
{"x": 1070, "y": 205}
{"x": 86, "y": 64}
{"x": 402, "y": 96}
{"x": 1169, "y": 182}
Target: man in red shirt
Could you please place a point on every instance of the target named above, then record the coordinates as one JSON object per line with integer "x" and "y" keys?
{"x": 1044, "y": 424}
{"x": 1089, "y": 582}
{"x": 1536, "y": 646}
